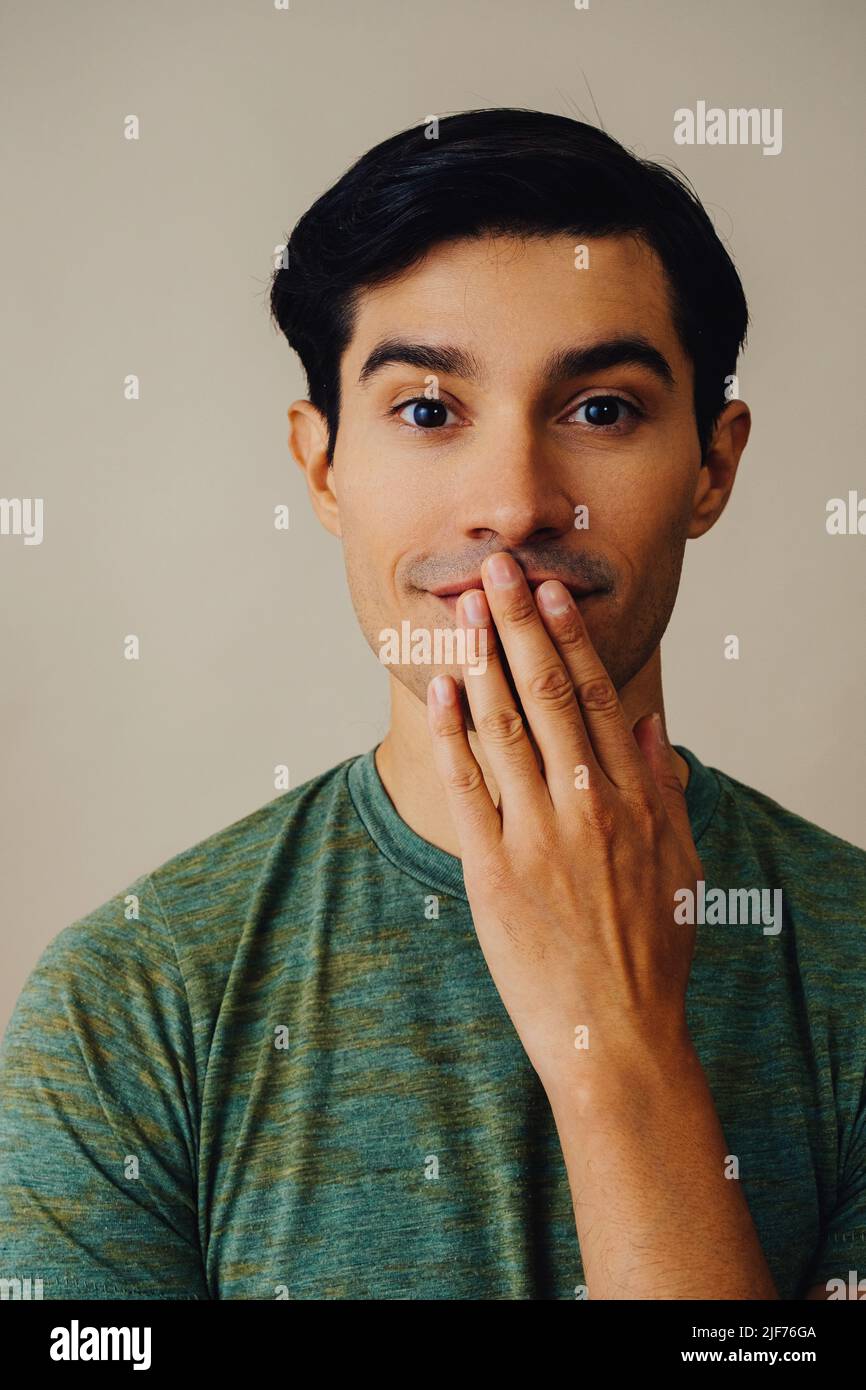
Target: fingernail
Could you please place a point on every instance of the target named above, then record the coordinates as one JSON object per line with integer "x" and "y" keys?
{"x": 503, "y": 570}
{"x": 659, "y": 730}
{"x": 475, "y": 606}
{"x": 443, "y": 690}
{"x": 554, "y": 597}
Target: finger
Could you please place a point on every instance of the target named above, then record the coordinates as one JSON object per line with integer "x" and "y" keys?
{"x": 541, "y": 679}
{"x": 600, "y": 708}
{"x": 475, "y": 818}
{"x": 495, "y": 713}
{"x": 652, "y": 741}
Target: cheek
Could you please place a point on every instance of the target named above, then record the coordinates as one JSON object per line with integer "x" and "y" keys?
{"x": 646, "y": 498}
{"x": 380, "y": 525}
{"x": 397, "y": 507}
{"x": 642, "y": 533}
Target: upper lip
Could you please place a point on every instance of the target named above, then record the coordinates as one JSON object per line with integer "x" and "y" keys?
{"x": 533, "y": 580}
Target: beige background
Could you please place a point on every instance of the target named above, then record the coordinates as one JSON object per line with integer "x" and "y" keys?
{"x": 154, "y": 257}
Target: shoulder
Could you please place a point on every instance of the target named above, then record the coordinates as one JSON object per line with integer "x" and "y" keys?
{"x": 793, "y": 841}
{"x": 822, "y": 877}
{"x": 133, "y": 953}
{"x": 214, "y": 885}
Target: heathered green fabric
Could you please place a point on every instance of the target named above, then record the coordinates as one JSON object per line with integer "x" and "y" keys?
{"x": 326, "y": 1098}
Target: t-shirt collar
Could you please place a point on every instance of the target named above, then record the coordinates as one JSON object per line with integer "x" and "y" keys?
{"x": 443, "y": 872}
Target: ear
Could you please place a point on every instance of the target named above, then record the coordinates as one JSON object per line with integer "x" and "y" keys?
{"x": 308, "y": 441}
{"x": 719, "y": 470}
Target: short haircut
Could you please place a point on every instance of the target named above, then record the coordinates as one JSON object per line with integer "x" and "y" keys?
{"x": 512, "y": 171}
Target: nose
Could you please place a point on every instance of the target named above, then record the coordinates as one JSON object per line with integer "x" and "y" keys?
{"x": 512, "y": 489}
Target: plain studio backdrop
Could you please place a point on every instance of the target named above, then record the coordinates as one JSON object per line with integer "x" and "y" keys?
{"x": 153, "y": 257}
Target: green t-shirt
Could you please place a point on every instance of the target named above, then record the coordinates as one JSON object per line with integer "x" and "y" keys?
{"x": 277, "y": 1066}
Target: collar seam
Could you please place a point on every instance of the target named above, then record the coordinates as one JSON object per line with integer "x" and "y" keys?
{"x": 387, "y": 853}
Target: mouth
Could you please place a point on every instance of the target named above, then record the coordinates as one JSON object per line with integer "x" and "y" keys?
{"x": 450, "y": 595}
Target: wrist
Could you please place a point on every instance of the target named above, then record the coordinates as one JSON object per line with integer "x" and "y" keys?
{"x": 622, "y": 1082}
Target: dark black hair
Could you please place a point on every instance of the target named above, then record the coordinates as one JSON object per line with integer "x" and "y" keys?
{"x": 504, "y": 170}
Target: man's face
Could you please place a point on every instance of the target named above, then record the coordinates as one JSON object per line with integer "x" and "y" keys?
{"x": 520, "y": 445}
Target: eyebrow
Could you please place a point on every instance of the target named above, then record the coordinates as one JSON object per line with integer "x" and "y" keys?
{"x": 632, "y": 351}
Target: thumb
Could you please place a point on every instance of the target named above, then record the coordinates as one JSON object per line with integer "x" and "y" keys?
{"x": 651, "y": 739}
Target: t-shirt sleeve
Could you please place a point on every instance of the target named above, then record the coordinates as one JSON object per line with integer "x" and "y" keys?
{"x": 98, "y": 1115}
{"x": 843, "y": 1244}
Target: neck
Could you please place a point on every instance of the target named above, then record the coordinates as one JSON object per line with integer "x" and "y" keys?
{"x": 405, "y": 756}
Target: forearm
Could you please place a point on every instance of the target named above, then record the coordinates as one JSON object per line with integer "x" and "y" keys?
{"x": 656, "y": 1216}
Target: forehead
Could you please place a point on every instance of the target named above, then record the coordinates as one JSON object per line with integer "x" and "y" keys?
{"x": 512, "y": 299}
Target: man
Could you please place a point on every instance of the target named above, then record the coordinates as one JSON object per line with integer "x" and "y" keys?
{"x": 525, "y": 1002}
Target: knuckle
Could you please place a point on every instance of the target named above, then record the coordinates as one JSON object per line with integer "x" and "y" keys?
{"x": 493, "y": 655}
{"x": 520, "y": 611}
{"x": 545, "y": 843}
{"x": 601, "y": 819}
{"x": 552, "y": 687}
{"x": 598, "y": 694}
{"x": 449, "y": 728}
{"x": 496, "y": 874}
{"x": 464, "y": 779}
{"x": 645, "y": 807}
{"x": 502, "y": 725}
{"x": 571, "y": 632}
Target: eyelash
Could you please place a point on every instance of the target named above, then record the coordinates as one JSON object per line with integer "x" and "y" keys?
{"x": 636, "y": 413}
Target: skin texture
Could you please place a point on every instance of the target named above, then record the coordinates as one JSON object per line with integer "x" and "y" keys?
{"x": 490, "y": 777}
